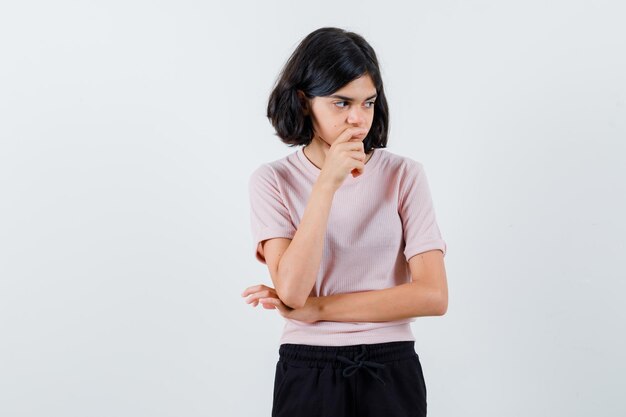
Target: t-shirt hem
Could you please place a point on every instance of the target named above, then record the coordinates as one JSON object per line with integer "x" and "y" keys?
{"x": 404, "y": 333}
{"x": 270, "y": 234}
{"x": 426, "y": 246}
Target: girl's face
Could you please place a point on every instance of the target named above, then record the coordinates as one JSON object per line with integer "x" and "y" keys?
{"x": 350, "y": 106}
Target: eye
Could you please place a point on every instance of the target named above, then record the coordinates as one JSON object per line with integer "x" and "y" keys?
{"x": 371, "y": 104}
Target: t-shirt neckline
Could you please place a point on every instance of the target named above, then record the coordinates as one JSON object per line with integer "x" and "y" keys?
{"x": 369, "y": 165}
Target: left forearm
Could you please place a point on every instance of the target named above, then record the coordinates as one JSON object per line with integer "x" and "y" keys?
{"x": 400, "y": 302}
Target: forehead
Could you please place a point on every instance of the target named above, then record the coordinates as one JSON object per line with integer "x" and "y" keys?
{"x": 360, "y": 88}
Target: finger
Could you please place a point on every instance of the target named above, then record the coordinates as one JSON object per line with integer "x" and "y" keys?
{"x": 358, "y": 170}
{"x": 251, "y": 290}
{"x": 267, "y": 302}
{"x": 272, "y": 303}
{"x": 358, "y": 155}
{"x": 256, "y": 296}
{"x": 259, "y": 291}
{"x": 355, "y": 133}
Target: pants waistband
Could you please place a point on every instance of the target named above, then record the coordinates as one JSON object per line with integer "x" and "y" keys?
{"x": 381, "y": 352}
{"x": 352, "y": 357}
{"x": 369, "y": 357}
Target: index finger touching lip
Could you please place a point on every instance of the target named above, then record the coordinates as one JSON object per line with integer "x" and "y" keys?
{"x": 349, "y": 133}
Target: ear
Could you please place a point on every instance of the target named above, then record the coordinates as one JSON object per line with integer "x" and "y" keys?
{"x": 303, "y": 101}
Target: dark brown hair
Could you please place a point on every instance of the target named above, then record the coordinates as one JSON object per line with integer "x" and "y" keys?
{"x": 325, "y": 60}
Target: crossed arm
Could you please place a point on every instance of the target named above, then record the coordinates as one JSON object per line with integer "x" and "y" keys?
{"x": 425, "y": 295}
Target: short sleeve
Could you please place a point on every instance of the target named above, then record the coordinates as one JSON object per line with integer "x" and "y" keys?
{"x": 269, "y": 216}
{"x": 416, "y": 209}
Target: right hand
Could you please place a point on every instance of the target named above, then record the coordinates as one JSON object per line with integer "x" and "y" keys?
{"x": 346, "y": 155}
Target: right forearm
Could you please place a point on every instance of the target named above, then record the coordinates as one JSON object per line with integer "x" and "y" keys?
{"x": 299, "y": 265}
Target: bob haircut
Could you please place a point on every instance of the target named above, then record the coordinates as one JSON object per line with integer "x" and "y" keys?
{"x": 325, "y": 60}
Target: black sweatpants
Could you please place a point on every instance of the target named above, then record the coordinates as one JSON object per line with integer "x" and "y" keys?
{"x": 367, "y": 380}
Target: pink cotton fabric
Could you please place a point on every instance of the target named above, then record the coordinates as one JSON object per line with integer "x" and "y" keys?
{"x": 377, "y": 222}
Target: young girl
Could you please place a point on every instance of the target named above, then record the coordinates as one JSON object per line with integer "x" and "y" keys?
{"x": 349, "y": 234}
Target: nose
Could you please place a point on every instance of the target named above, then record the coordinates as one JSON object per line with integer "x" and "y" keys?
{"x": 356, "y": 116}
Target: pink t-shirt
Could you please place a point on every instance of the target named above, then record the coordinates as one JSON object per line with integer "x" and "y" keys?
{"x": 377, "y": 221}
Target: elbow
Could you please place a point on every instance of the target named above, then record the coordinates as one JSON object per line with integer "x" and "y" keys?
{"x": 287, "y": 294}
{"x": 288, "y": 297}
{"x": 291, "y": 300}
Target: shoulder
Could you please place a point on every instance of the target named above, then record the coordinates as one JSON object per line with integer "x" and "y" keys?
{"x": 401, "y": 164}
{"x": 273, "y": 171}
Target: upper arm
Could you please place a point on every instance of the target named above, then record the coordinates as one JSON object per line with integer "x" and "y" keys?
{"x": 270, "y": 215}
{"x": 429, "y": 268}
{"x": 271, "y": 250}
{"x": 417, "y": 212}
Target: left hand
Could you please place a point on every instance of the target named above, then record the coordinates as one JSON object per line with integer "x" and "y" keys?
{"x": 268, "y": 297}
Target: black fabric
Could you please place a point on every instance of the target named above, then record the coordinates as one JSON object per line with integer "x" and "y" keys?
{"x": 366, "y": 380}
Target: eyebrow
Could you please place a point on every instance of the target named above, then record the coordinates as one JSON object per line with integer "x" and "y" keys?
{"x": 350, "y": 98}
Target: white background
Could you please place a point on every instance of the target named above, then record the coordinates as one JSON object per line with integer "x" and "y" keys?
{"x": 128, "y": 132}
